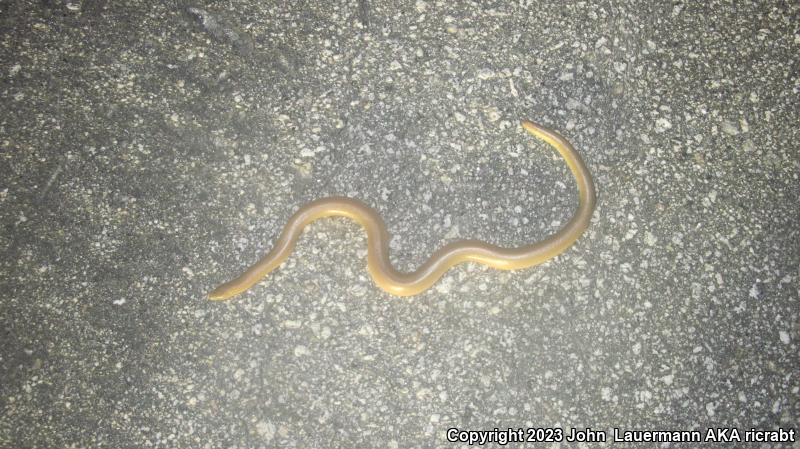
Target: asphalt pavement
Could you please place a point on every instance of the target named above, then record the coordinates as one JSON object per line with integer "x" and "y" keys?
{"x": 152, "y": 150}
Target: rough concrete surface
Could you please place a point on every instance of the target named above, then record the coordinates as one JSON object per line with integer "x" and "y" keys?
{"x": 151, "y": 150}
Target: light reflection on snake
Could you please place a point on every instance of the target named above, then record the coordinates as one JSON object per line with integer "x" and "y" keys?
{"x": 407, "y": 284}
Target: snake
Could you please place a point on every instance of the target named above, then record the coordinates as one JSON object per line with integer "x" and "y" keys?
{"x": 411, "y": 283}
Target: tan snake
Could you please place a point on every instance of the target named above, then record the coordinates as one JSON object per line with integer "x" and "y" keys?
{"x": 407, "y": 284}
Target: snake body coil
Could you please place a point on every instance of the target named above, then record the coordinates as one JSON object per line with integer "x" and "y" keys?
{"x": 407, "y": 284}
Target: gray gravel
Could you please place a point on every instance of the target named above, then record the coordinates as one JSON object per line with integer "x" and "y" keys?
{"x": 150, "y": 151}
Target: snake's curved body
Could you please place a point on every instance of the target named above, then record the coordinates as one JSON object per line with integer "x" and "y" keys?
{"x": 407, "y": 284}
